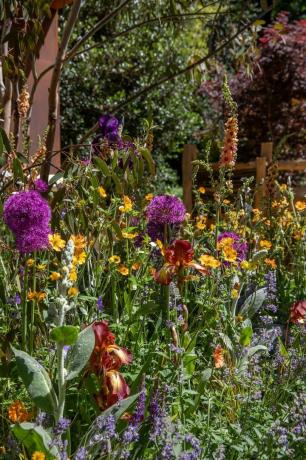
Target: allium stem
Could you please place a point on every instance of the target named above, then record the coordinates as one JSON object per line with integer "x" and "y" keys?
{"x": 24, "y": 310}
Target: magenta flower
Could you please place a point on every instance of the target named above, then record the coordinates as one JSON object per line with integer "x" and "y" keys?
{"x": 27, "y": 215}
{"x": 166, "y": 209}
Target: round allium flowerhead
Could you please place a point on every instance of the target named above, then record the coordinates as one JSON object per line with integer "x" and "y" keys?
{"x": 33, "y": 239}
{"x": 25, "y": 210}
{"x": 238, "y": 244}
{"x": 166, "y": 209}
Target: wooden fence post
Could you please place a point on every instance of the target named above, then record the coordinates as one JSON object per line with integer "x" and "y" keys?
{"x": 266, "y": 151}
{"x": 190, "y": 154}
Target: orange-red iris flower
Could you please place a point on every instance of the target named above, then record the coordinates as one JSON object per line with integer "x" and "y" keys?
{"x": 177, "y": 257}
{"x": 105, "y": 361}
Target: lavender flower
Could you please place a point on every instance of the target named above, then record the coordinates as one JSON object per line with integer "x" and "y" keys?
{"x": 61, "y": 427}
{"x": 100, "y": 304}
{"x": 81, "y": 454}
{"x": 166, "y": 209}
{"x": 195, "y": 453}
{"x": 27, "y": 215}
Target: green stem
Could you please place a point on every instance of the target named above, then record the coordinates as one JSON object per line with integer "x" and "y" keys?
{"x": 165, "y": 295}
{"x": 61, "y": 369}
{"x": 32, "y": 312}
{"x": 24, "y": 325}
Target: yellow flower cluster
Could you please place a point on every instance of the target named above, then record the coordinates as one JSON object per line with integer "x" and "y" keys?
{"x": 209, "y": 261}
{"x": 127, "y": 204}
{"x": 228, "y": 252}
{"x": 37, "y": 296}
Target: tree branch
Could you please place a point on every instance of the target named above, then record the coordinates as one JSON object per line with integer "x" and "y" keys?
{"x": 173, "y": 76}
{"x": 97, "y": 27}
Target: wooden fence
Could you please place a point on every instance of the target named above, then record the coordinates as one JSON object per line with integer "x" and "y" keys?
{"x": 257, "y": 169}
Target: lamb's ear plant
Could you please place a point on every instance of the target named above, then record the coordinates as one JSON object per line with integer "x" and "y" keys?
{"x": 48, "y": 395}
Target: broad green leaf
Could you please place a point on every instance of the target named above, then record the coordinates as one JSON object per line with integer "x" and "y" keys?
{"x": 17, "y": 169}
{"x": 5, "y": 140}
{"x": 253, "y": 303}
{"x": 65, "y": 335}
{"x": 206, "y": 374}
{"x": 56, "y": 177}
{"x": 245, "y": 336}
{"x": 36, "y": 380}
{"x": 80, "y": 353}
{"x": 118, "y": 409}
{"x": 243, "y": 363}
{"x": 35, "y": 438}
{"x": 148, "y": 157}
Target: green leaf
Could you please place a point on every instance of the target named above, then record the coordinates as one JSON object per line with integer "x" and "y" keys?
{"x": 56, "y": 177}
{"x": 206, "y": 374}
{"x": 80, "y": 353}
{"x": 282, "y": 349}
{"x": 5, "y": 140}
{"x": 245, "y": 336}
{"x": 243, "y": 363}
{"x": 118, "y": 409}
{"x": 148, "y": 157}
{"x": 17, "y": 169}
{"x": 65, "y": 335}
{"x": 102, "y": 166}
{"x": 35, "y": 438}
{"x": 36, "y": 380}
{"x": 253, "y": 303}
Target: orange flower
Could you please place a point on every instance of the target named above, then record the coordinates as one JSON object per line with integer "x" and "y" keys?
{"x": 271, "y": 263}
{"x": 201, "y": 190}
{"x": 17, "y": 413}
{"x": 73, "y": 291}
{"x": 218, "y": 357}
{"x": 229, "y": 149}
{"x": 55, "y": 276}
{"x": 127, "y": 204}
{"x": 265, "y": 244}
{"x": 38, "y": 455}
{"x": 136, "y": 266}
{"x": 102, "y": 192}
{"x": 123, "y": 270}
{"x": 300, "y": 205}
{"x": 149, "y": 196}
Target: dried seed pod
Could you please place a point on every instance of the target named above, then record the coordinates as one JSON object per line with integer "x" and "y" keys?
{"x": 23, "y": 103}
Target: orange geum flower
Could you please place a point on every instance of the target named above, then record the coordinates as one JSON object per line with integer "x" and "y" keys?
{"x": 55, "y": 276}
{"x": 123, "y": 270}
{"x": 136, "y": 266}
{"x": 79, "y": 242}
{"x": 209, "y": 261}
{"x": 201, "y": 222}
{"x": 201, "y": 190}
{"x": 73, "y": 292}
{"x": 218, "y": 357}
{"x": 38, "y": 455}
{"x": 300, "y": 205}
{"x": 41, "y": 296}
{"x": 265, "y": 244}
{"x": 149, "y": 196}
{"x": 271, "y": 263}
{"x": 229, "y": 254}
{"x": 127, "y": 204}
{"x": 30, "y": 262}
{"x": 56, "y": 242}
{"x": 73, "y": 276}
{"x": 79, "y": 259}
{"x": 32, "y": 295}
{"x": 17, "y": 413}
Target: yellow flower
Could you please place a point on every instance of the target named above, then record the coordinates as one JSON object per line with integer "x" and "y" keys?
{"x": 201, "y": 190}
{"x": 114, "y": 260}
{"x": 225, "y": 242}
{"x": 79, "y": 241}
{"x": 226, "y": 202}
{"x": 31, "y": 295}
{"x": 41, "y": 267}
{"x": 136, "y": 266}
{"x": 209, "y": 261}
{"x": 300, "y": 205}
{"x": 265, "y": 244}
{"x": 234, "y": 293}
{"x": 298, "y": 235}
{"x": 201, "y": 222}
{"x": 245, "y": 265}
{"x": 73, "y": 291}
{"x": 30, "y": 262}
{"x": 283, "y": 187}
{"x": 271, "y": 263}
{"x": 229, "y": 254}
{"x": 102, "y": 192}
{"x": 149, "y": 196}
{"x": 73, "y": 274}
{"x": 79, "y": 259}
{"x": 38, "y": 455}
{"x": 127, "y": 204}
{"x": 56, "y": 242}
{"x": 123, "y": 270}
{"x": 129, "y": 236}
{"x": 55, "y": 276}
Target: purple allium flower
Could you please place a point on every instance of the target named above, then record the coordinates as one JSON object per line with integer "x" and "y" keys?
{"x": 239, "y": 245}
{"x": 62, "y": 426}
{"x": 40, "y": 185}
{"x": 27, "y": 215}
{"x": 81, "y": 454}
{"x": 32, "y": 239}
{"x": 100, "y": 305}
{"x": 166, "y": 209}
